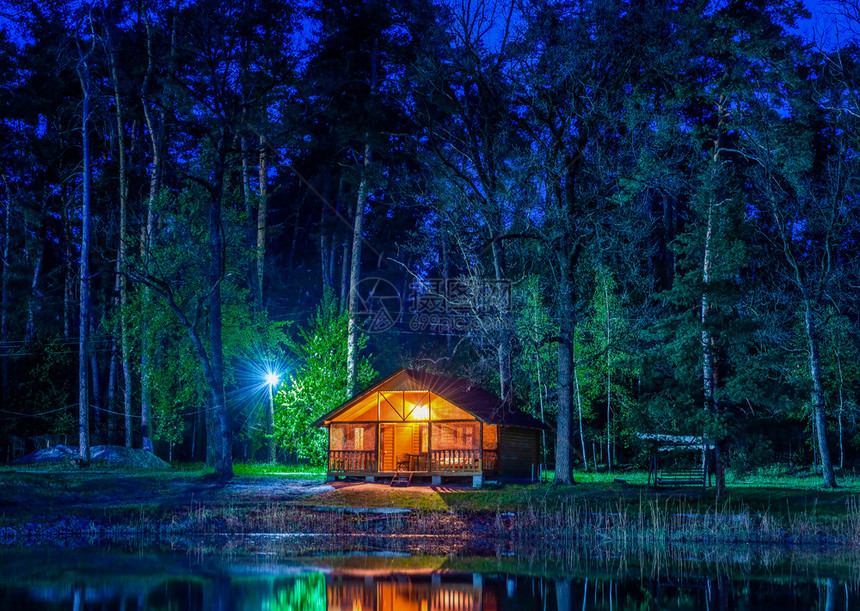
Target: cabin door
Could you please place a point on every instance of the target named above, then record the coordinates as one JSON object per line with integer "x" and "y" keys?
{"x": 403, "y": 447}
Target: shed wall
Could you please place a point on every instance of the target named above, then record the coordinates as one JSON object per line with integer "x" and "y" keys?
{"x": 519, "y": 451}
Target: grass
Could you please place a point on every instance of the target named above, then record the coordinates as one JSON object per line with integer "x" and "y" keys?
{"x": 265, "y": 469}
{"x": 785, "y": 497}
{"x": 772, "y": 507}
{"x": 417, "y": 498}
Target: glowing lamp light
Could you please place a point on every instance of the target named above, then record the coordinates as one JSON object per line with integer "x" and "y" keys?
{"x": 272, "y": 379}
{"x": 420, "y": 412}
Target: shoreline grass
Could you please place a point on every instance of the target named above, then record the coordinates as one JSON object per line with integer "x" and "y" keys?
{"x": 602, "y": 509}
{"x": 653, "y": 523}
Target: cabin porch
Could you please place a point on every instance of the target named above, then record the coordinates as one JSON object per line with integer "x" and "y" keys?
{"x": 424, "y": 449}
{"x": 435, "y": 464}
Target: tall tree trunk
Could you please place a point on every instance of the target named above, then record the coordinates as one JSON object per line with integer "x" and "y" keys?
{"x": 84, "y": 322}
{"x": 579, "y": 408}
{"x": 608, "y": 380}
{"x": 818, "y": 396}
{"x": 446, "y": 275}
{"x": 30, "y": 333}
{"x": 708, "y": 362}
{"x": 211, "y": 430}
{"x": 841, "y": 408}
{"x": 262, "y": 207}
{"x": 95, "y": 375}
{"x": 126, "y": 365}
{"x": 121, "y": 282}
{"x": 246, "y": 173}
{"x": 224, "y": 465}
{"x": 156, "y": 128}
{"x": 504, "y": 348}
{"x": 540, "y": 403}
{"x": 249, "y": 208}
{"x": 344, "y": 272}
{"x": 346, "y": 246}
{"x": 563, "y": 442}
{"x": 327, "y": 280}
{"x": 814, "y": 441}
{"x": 110, "y": 399}
{"x": 68, "y": 274}
{"x": 4, "y": 293}
{"x": 355, "y": 262}
{"x": 156, "y": 138}
{"x": 145, "y": 348}
{"x": 355, "y": 268}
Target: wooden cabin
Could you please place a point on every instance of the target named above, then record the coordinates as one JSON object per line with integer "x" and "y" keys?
{"x": 430, "y": 425}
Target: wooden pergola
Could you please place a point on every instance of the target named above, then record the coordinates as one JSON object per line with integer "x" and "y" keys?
{"x": 662, "y": 444}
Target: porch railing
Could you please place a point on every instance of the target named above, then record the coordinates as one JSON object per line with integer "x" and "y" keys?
{"x": 491, "y": 460}
{"x": 455, "y": 460}
{"x": 351, "y": 460}
{"x": 451, "y": 461}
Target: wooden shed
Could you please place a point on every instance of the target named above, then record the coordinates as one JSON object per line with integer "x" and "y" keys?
{"x": 425, "y": 424}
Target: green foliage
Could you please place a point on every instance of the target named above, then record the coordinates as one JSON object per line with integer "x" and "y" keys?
{"x": 840, "y": 359}
{"x": 319, "y": 383}
{"x": 180, "y": 259}
{"x": 534, "y": 330}
{"x": 43, "y": 403}
{"x": 177, "y": 386}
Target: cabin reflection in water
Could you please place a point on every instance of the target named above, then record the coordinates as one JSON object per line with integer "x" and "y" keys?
{"x": 409, "y": 593}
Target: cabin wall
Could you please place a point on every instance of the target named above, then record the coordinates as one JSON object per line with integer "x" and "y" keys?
{"x": 490, "y": 437}
{"x": 455, "y": 435}
{"x": 519, "y": 452}
{"x": 352, "y": 436}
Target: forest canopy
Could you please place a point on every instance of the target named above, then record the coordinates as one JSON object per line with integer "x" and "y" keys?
{"x": 624, "y": 217}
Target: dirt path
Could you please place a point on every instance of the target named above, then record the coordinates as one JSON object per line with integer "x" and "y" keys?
{"x": 252, "y": 490}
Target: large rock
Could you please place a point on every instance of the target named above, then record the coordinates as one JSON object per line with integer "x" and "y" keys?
{"x": 126, "y": 457}
{"x": 53, "y": 454}
{"x": 117, "y": 456}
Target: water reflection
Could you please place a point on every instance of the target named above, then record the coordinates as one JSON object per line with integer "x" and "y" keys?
{"x": 408, "y": 593}
{"x": 38, "y": 581}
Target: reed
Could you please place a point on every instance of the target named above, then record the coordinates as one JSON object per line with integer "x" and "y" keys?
{"x": 655, "y": 521}
{"x": 539, "y": 522}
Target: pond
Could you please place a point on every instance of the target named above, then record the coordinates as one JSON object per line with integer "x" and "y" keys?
{"x": 157, "y": 578}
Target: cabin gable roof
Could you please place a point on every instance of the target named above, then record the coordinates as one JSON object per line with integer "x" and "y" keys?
{"x": 465, "y": 394}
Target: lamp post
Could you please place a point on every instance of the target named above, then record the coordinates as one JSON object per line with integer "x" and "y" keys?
{"x": 272, "y": 380}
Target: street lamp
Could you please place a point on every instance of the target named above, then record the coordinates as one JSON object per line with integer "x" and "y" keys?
{"x": 272, "y": 379}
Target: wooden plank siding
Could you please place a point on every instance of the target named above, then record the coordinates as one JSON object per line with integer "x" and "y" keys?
{"x": 519, "y": 452}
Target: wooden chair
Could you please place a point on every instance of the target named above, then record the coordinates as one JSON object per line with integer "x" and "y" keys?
{"x": 403, "y": 462}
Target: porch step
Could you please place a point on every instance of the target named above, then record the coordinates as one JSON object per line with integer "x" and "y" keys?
{"x": 402, "y": 479}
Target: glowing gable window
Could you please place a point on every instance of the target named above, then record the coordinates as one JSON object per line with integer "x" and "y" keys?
{"x": 420, "y": 412}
